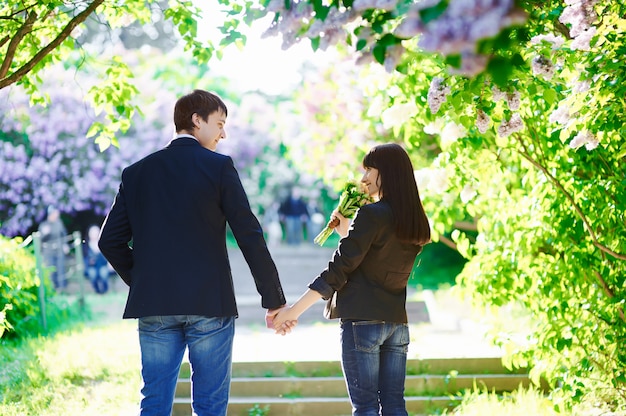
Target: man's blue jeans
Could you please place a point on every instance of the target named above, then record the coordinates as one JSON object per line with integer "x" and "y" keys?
{"x": 373, "y": 358}
{"x": 163, "y": 340}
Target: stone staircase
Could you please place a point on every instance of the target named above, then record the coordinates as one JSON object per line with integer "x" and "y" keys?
{"x": 316, "y": 388}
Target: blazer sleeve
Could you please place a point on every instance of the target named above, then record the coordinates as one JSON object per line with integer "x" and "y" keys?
{"x": 249, "y": 235}
{"x": 115, "y": 237}
{"x": 350, "y": 254}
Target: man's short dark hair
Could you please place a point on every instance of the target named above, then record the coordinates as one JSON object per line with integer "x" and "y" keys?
{"x": 201, "y": 102}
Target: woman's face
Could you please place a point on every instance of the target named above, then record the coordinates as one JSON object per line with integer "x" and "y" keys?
{"x": 371, "y": 181}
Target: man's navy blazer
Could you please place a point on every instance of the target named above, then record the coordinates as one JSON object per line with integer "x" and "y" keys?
{"x": 165, "y": 234}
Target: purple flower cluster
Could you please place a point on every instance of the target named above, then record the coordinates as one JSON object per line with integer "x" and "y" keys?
{"x": 460, "y": 27}
{"x": 46, "y": 158}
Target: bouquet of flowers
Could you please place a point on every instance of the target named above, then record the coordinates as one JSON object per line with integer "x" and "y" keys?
{"x": 351, "y": 199}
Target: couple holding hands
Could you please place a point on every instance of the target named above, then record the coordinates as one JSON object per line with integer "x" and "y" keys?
{"x": 165, "y": 235}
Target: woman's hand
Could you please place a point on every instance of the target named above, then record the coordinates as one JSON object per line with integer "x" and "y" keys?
{"x": 344, "y": 224}
{"x": 285, "y": 320}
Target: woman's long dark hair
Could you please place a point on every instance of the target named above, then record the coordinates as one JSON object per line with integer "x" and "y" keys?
{"x": 398, "y": 188}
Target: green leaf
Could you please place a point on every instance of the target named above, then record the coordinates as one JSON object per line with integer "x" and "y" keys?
{"x": 432, "y": 13}
{"x": 379, "y": 53}
{"x": 549, "y": 95}
{"x": 500, "y": 70}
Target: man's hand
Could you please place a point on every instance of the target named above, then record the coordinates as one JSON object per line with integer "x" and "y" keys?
{"x": 284, "y": 328}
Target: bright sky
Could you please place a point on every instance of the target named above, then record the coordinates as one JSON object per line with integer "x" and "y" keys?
{"x": 262, "y": 64}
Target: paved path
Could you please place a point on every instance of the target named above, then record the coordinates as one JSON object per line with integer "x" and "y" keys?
{"x": 442, "y": 332}
{"x": 439, "y": 330}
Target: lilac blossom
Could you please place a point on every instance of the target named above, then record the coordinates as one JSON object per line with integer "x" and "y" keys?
{"x": 513, "y": 100}
{"x": 561, "y": 115}
{"x": 582, "y": 42}
{"x": 543, "y": 67}
{"x": 471, "y": 64}
{"x": 362, "y": 5}
{"x": 63, "y": 167}
{"x": 460, "y": 27}
{"x": 482, "y": 121}
{"x": 581, "y": 86}
{"x": 393, "y": 56}
{"x": 437, "y": 94}
{"x": 584, "y": 138}
{"x": 513, "y": 125}
{"x": 554, "y": 40}
{"x": 580, "y": 15}
{"x": 497, "y": 94}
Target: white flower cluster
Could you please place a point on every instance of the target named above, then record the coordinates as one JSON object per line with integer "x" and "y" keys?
{"x": 432, "y": 180}
{"x": 460, "y": 27}
{"x": 467, "y": 193}
{"x": 437, "y": 94}
{"x": 482, "y": 121}
{"x": 398, "y": 114}
{"x": 580, "y": 14}
{"x": 513, "y": 125}
{"x": 513, "y": 99}
{"x": 584, "y": 138}
{"x": 554, "y": 40}
{"x": 543, "y": 67}
{"x": 561, "y": 115}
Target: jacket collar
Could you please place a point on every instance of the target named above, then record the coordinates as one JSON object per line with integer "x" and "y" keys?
{"x": 183, "y": 140}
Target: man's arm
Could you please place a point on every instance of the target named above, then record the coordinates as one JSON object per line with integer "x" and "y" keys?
{"x": 250, "y": 238}
{"x": 115, "y": 236}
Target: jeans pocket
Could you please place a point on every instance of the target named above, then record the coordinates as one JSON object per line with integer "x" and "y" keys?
{"x": 206, "y": 324}
{"x": 150, "y": 323}
{"x": 368, "y": 335}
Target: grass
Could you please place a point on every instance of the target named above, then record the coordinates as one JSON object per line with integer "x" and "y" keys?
{"x": 90, "y": 369}
{"x": 94, "y": 369}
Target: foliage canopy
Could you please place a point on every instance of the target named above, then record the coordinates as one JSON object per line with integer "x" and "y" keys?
{"x": 513, "y": 109}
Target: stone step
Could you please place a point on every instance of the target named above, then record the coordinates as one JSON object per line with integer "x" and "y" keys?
{"x": 312, "y": 406}
{"x": 472, "y": 365}
{"x": 313, "y": 388}
{"x": 280, "y": 387}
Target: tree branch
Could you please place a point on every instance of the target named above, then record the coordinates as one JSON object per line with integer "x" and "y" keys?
{"x": 608, "y": 292}
{"x": 26, "y": 68}
{"x": 15, "y": 42}
{"x": 466, "y": 225}
{"x": 445, "y": 240}
{"x": 570, "y": 198}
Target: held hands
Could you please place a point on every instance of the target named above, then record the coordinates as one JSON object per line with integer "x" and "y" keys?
{"x": 286, "y": 317}
{"x": 284, "y": 327}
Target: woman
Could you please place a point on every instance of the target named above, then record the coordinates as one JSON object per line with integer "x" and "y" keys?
{"x": 365, "y": 283}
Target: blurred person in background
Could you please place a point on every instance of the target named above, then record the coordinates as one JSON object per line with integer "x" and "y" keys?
{"x": 54, "y": 247}
{"x": 294, "y": 213}
{"x": 97, "y": 268}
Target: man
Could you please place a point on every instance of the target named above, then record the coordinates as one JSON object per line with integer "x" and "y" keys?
{"x": 165, "y": 235}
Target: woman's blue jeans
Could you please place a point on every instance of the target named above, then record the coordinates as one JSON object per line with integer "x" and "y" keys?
{"x": 374, "y": 366}
{"x": 163, "y": 340}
